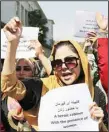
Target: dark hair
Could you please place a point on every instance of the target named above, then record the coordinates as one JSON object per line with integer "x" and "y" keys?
{"x": 1, "y": 65}
{"x": 64, "y": 43}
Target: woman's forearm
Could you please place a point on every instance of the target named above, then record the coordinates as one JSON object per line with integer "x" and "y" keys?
{"x": 9, "y": 62}
{"x": 12, "y": 30}
{"x": 10, "y": 85}
{"x": 46, "y": 63}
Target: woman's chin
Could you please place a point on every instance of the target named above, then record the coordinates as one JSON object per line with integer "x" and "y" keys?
{"x": 68, "y": 81}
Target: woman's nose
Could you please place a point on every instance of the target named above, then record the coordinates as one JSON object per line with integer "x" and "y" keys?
{"x": 22, "y": 71}
{"x": 63, "y": 66}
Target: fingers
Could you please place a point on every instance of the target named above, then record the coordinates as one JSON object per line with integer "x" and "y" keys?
{"x": 13, "y": 25}
{"x": 92, "y": 108}
{"x": 31, "y": 48}
{"x": 96, "y": 112}
{"x": 35, "y": 44}
{"x": 92, "y": 105}
{"x": 97, "y": 115}
{"x": 91, "y": 37}
{"x": 98, "y": 18}
{"x": 91, "y": 34}
{"x": 101, "y": 21}
{"x": 16, "y": 21}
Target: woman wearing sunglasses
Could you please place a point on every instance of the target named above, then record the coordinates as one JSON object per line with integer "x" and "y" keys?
{"x": 27, "y": 68}
{"x": 70, "y": 67}
{"x": 12, "y": 113}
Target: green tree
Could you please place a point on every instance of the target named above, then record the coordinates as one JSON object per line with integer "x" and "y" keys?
{"x": 36, "y": 20}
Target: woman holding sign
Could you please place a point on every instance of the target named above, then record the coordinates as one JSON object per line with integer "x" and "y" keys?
{"x": 99, "y": 42}
{"x": 70, "y": 67}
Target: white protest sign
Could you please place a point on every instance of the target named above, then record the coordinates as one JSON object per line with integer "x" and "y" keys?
{"x": 66, "y": 109}
{"x": 85, "y": 22}
{"x": 28, "y": 33}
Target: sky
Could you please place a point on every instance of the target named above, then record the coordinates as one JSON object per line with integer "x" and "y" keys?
{"x": 63, "y": 14}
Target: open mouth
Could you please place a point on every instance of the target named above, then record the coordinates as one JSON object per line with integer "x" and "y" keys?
{"x": 66, "y": 75}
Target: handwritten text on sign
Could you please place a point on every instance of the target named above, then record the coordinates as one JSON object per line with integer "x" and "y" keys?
{"x": 85, "y": 22}
{"x": 66, "y": 109}
{"x": 28, "y": 33}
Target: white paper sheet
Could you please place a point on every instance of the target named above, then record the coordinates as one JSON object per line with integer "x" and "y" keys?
{"x": 85, "y": 22}
{"x": 66, "y": 109}
{"x": 28, "y": 33}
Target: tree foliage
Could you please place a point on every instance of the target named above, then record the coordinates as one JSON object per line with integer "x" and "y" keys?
{"x": 36, "y": 19}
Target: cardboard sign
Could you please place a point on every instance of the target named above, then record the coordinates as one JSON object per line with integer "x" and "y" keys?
{"x": 85, "y": 22}
{"x": 66, "y": 109}
{"x": 28, "y": 33}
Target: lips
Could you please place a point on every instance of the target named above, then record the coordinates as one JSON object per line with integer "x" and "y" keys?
{"x": 66, "y": 75}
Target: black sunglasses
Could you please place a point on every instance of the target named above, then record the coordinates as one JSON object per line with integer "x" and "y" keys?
{"x": 70, "y": 62}
{"x": 25, "y": 68}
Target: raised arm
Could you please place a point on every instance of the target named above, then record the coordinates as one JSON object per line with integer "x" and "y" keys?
{"x": 9, "y": 83}
{"x": 13, "y": 30}
{"x": 28, "y": 92}
{"x": 102, "y": 48}
{"x": 40, "y": 54}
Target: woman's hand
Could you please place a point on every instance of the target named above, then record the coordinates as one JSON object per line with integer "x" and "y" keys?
{"x": 90, "y": 41}
{"x": 13, "y": 30}
{"x": 101, "y": 21}
{"x": 96, "y": 112}
{"x": 36, "y": 45}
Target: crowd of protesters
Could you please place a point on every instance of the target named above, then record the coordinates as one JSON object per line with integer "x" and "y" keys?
{"x": 23, "y": 81}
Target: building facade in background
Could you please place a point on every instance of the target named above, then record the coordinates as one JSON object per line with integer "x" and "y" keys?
{"x": 10, "y": 9}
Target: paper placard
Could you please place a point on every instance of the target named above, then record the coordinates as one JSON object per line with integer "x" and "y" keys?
{"x": 66, "y": 109}
{"x": 85, "y": 22}
{"x": 28, "y": 33}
